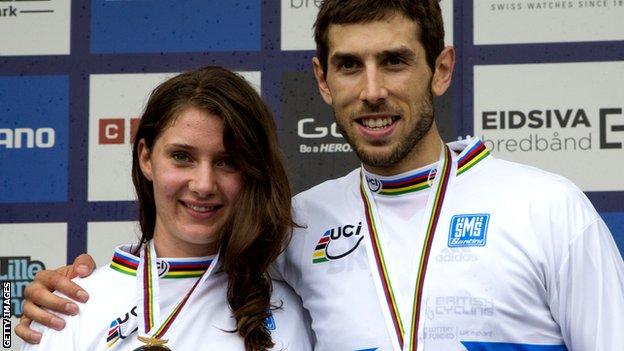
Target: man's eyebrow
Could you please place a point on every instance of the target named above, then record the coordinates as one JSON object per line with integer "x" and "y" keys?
{"x": 403, "y": 52}
{"x": 398, "y": 52}
{"x": 342, "y": 56}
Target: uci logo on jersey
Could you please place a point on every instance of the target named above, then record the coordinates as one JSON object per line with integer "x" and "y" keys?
{"x": 468, "y": 230}
{"x": 336, "y": 243}
{"x": 122, "y": 327}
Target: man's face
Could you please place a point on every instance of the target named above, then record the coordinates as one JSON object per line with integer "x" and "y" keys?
{"x": 379, "y": 85}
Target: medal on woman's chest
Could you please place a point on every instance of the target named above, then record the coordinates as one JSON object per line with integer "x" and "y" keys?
{"x": 152, "y": 327}
{"x": 152, "y": 344}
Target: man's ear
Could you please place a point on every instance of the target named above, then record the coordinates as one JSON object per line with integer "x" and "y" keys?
{"x": 319, "y": 74}
{"x": 144, "y": 160}
{"x": 443, "y": 73}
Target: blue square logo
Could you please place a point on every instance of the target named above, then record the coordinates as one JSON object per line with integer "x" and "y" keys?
{"x": 269, "y": 322}
{"x": 468, "y": 230}
{"x": 34, "y": 117}
{"x": 174, "y": 26}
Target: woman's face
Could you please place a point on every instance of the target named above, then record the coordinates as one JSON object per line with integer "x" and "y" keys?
{"x": 195, "y": 184}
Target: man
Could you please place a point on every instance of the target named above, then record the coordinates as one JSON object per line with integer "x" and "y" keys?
{"x": 431, "y": 246}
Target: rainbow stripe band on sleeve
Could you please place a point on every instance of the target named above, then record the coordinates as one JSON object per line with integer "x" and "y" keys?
{"x": 471, "y": 157}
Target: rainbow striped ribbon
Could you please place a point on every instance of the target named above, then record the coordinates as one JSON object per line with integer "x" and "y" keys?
{"x": 445, "y": 166}
{"x": 148, "y": 277}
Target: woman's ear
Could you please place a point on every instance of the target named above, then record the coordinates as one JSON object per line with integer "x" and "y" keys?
{"x": 145, "y": 160}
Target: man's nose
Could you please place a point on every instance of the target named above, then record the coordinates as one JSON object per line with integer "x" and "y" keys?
{"x": 373, "y": 89}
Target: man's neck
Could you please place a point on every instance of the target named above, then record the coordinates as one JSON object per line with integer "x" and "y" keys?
{"x": 426, "y": 152}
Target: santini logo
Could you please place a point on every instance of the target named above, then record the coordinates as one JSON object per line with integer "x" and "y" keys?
{"x": 344, "y": 240}
{"x": 468, "y": 230}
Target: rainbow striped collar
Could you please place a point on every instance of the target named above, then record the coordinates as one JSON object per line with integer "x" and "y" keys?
{"x": 127, "y": 263}
{"x": 407, "y": 183}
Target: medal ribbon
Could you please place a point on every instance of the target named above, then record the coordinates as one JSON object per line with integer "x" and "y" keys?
{"x": 374, "y": 222}
{"x": 147, "y": 284}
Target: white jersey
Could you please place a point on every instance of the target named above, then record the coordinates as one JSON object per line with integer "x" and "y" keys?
{"x": 108, "y": 321}
{"x": 520, "y": 260}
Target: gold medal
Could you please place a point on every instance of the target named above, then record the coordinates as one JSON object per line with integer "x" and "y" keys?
{"x": 152, "y": 344}
{"x": 148, "y": 308}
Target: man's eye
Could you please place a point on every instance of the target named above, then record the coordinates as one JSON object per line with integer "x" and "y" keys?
{"x": 348, "y": 66}
{"x": 393, "y": 61}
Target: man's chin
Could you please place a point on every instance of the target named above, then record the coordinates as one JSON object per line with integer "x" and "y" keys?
{"x": 378, "y": 159}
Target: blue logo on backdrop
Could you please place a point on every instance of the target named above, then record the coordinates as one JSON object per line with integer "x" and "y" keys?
{"x": 468, "y": 230}
{"x": 615, "y": 222}
{"x": 133, "y": 26}
{"x": 34, "y": 117}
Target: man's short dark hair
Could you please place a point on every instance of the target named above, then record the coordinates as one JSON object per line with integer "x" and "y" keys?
{"x": 426, "y": 13}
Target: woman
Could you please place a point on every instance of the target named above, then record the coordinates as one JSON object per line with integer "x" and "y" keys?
{"x": 214, "y": 210}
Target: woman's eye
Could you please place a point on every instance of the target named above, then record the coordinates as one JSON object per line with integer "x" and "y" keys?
{"x": 227, "y": 163}
{"x": 180, "y": 157}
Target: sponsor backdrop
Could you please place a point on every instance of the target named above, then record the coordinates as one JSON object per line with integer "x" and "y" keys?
{"x": 540, "y": 81}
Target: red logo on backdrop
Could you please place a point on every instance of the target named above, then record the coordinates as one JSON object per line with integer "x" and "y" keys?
{"x": 113, "y": 130}
{"x": 134, "y": 125}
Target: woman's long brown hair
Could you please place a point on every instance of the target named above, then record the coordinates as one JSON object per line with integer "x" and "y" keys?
{"x": 261, "y": 224}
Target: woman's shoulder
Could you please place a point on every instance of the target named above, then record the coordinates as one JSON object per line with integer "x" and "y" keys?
{"x": 289, "y": 323}
{"x": 103, "y": 278}
{"x": 283, "y": 290}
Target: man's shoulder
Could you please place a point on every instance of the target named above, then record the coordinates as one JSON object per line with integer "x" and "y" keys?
{"x": 521, "y": 174}
{"x": 333, "y": 187}
{"x": 522, "y": 182}
{"x": 493, "y": 170}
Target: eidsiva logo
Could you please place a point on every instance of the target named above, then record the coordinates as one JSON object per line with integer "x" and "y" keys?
{"x": 344, "y": 240}
{"x": 468, "y": 230}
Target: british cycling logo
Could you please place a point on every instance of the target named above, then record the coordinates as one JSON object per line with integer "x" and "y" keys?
{"x": 337, "y": 242}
